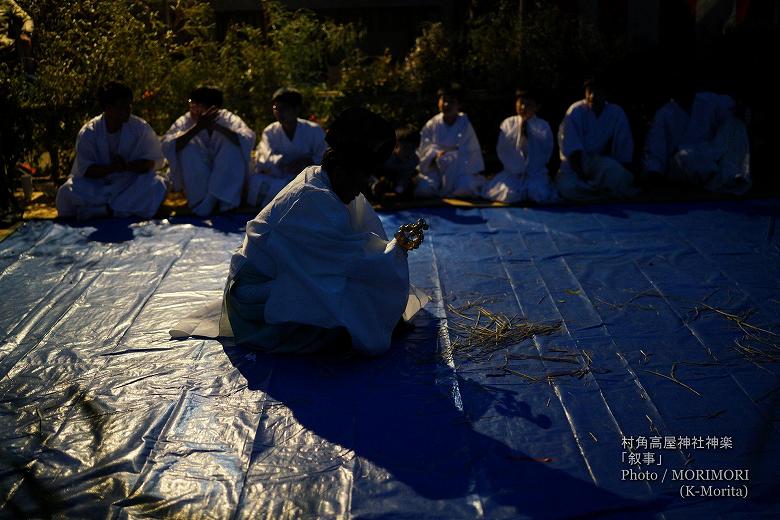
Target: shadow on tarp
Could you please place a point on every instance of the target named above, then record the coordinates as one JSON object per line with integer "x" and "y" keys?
{"x": 107, "y": 230}
{"x": 33, "y": 498}
{"x": 397, "y": 411}
{"x": 227, "y": 223}
{"x": 119, "y": 230}
{"x": 35, "y": 494}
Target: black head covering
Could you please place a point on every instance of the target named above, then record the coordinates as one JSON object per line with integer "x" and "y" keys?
{"x": 362, "y": 135}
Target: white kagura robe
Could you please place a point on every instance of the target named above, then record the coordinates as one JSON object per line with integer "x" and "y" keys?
{"x": 210, "y": 168}
{"x": 525, "y": 159}
{"x": 310, "y": 265}
{"x": 707, "y": 147}
{"x": 457, "y": 172}
{"x": 276, "y": 150}
{"x": 126, "y": 193}
{"x": 605, "y": 142}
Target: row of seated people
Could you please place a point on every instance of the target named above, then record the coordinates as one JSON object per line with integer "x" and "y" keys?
{"x": 208, "y": 150}
{"x": 695, "y": 139}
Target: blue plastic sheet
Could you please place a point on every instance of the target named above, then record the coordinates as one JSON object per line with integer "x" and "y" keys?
{"x": 104, "y": 416}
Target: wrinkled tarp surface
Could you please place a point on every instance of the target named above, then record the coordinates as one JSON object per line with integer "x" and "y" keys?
{"x": 103, "y": 416}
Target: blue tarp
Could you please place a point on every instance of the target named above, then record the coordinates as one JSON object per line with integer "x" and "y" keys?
{"x": 104, "y": 416}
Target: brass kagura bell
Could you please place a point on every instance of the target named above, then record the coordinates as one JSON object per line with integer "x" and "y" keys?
{"x": 410, "y": 236}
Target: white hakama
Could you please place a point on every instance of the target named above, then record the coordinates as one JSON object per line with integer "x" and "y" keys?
{"x": 124, "y": 193}
{"x": 311, "y": 266}
{"x": 606, "y": 144}
{"x": 525, "y": 155}
{"x": 457, "y": 172}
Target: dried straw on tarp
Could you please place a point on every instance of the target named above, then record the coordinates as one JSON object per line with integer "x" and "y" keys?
{"x": 759, "y": 345}
{"x": 758, "y": 351}
{"x": 476, "y": 332}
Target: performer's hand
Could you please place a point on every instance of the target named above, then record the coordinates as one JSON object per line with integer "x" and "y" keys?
{"x": 410, "y": 236}
{"x": 25, "y": 40}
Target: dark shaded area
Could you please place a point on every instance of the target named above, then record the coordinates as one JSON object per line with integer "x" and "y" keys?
{"x": 110, "y": 231}
{"x": 225, "y": 223}
{"x": 409, "y": 425}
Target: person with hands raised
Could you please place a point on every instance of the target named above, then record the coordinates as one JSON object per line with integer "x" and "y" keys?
{"x": 208, "y": 150}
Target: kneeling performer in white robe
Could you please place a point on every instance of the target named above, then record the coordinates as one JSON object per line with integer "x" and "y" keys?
{"x": 698, "y": 140}
{"x": 286, "y": 147}
{"x": 208, "y": 149}
{"x": 116, "y": 157}
{"x": 596, "y": 144}
{"x": 316, "y": 268}
{"x": 525, "y": 144}
{"x": 449, "y": 152}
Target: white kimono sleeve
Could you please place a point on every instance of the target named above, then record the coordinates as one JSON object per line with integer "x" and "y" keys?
{"x": 570, "y": 139}
{"x": 540, "y": 146}
{"x": 508, "y": 147}
{"x": 87, "y": 152}
{"x": 428, "y": 148}
{"x": 470, "y": 152}
{"x": 246, "y": 136}
{"x": 177, "y": 129}
{"x": 266, "y": 158}
{"x": 147, "y": 146}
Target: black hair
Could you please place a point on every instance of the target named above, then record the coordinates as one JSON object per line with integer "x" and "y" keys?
{"x": 361, "y": 136}
{"x": 113, "y": 92}
{"x": 454, "y": 90}
{"x": 526, "y": 93}
{"x": 288, "y": 96}
{"x": 359, "y": 142}
{"x": 207, "y": 96}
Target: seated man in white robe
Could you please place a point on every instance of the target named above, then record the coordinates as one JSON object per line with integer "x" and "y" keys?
{"x": 116, "y": 157}
{"x": 286, "y": 147}
{"x": 316, "y": 270}
{"x": 525, "y": 144}
{"x": 698, "y": 140}
{"x": 449, "y": 152}
{"x": 596, "y": 145}
{"x": 208, "y": 149}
